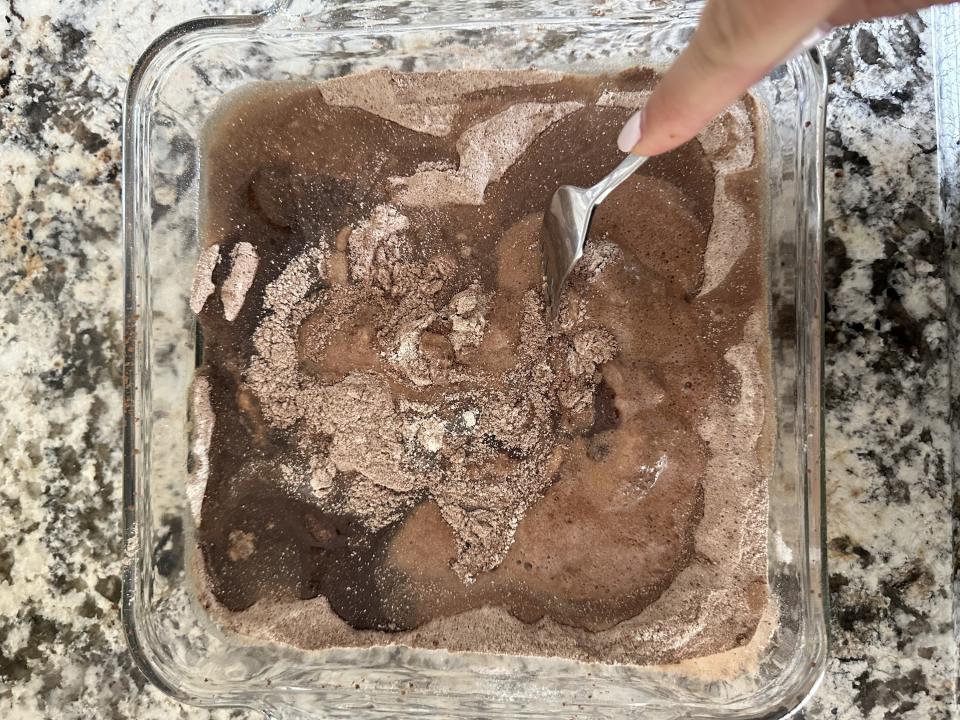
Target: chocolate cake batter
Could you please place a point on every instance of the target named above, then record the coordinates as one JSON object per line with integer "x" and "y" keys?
{"x": 392, "y": 445}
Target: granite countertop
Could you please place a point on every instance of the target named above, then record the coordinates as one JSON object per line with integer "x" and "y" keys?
{"x": 63, "y": 66}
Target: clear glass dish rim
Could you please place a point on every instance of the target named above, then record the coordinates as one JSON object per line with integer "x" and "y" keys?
{"x": 272, "y": 25}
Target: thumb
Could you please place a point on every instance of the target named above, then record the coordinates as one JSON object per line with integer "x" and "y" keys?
{"x": 736, "y": 43}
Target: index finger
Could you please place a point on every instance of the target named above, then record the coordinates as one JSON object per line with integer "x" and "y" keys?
{"x": 736, "y": 43}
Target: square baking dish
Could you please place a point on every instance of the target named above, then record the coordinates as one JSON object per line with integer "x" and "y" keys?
{"x": 174, "y": 88}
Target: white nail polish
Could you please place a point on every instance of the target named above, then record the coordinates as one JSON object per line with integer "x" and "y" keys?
{"x": 631, "y": 132}
{"x": 811, "y": 40}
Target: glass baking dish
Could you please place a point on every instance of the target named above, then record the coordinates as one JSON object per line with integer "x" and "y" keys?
{"x": 172, "y": 92}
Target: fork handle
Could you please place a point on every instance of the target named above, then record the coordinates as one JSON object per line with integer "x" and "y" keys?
{"x": 620, "y": 173}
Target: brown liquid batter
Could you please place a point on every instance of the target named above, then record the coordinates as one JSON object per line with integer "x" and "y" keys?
{"x": 393, "y": 444}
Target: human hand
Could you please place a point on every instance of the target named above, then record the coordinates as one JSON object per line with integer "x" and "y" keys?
{"x": 736, "y": 43}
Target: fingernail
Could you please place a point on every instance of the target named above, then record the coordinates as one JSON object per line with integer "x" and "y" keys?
{"x": 811, "y": 40}
{"x": 631, "y": 132}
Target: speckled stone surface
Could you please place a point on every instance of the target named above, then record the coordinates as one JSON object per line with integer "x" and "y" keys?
{"x": 889, "y": 488}
{"x": 63, "y": 65}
